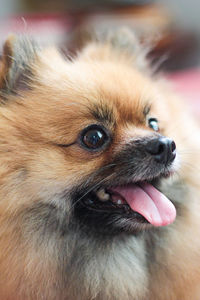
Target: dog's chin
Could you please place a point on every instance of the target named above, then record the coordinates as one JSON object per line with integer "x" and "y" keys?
{"x": 109, "y": 209}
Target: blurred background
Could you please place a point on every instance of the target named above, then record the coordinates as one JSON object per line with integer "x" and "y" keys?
{"x": 172, "y": 27}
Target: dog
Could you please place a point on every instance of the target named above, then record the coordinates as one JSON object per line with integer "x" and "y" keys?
{"x": 99, "y": 176}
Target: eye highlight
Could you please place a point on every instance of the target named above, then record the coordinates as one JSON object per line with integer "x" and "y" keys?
{"x": 153, "y": 123}
{"x": 94, "y": 137}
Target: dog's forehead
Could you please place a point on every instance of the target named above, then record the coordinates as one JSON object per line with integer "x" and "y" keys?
{"x": 104, "y": 91}
{"x": 111, "y": 91}
{"x": 109, "y": 110}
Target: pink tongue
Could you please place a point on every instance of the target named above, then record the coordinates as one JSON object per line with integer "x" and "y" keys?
{"x": 149, "y": 202}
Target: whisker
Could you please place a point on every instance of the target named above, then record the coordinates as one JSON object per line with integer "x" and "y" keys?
{"x": 95, "y": 186}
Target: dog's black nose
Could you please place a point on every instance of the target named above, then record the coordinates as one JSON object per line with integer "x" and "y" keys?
{"x": 162, "y": 149}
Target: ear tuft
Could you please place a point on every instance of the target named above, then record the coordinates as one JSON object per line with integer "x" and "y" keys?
{"x": 121, "y": 42}
{"x": 126, "y": 41}
{"x": 18, "y": 56}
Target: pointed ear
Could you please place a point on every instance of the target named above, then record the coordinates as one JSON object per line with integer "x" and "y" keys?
{"x": 18, "y": 56}
{"x": 117, "y": 44}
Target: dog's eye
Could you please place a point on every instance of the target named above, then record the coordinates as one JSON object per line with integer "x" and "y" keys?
{"x": 94, "y": 137}
{"x": 153, "y": 123}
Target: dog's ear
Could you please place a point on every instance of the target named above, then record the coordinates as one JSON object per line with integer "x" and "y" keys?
{"x": 17, "y": 58}
{"x": 120, "y": 44}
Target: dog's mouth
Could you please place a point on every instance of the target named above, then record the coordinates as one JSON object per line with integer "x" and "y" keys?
{"x": 140, "y": 202}
{"x": 141, "y": 198}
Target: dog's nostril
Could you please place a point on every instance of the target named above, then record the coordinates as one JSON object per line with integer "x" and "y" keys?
{"x": 162, "y": 149}
{"x": 173, "y": 146}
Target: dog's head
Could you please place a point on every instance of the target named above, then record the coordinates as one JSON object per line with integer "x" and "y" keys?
{"x": 84, "y": 142}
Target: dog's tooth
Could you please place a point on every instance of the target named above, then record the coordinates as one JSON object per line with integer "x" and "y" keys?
{"x": 119, "y": 201}
{"x": 102, "y": 195}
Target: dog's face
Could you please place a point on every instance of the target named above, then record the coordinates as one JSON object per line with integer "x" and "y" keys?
{"x": 86, "y": 142}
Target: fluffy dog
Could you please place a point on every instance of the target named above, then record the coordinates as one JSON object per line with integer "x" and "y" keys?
{"x": 99, "y": 179}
